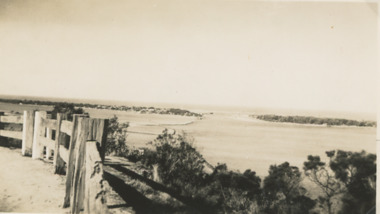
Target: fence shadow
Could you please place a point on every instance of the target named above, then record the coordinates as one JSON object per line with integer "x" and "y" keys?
{"x": 135, "y": 199}
{"x": 196, "y": 206}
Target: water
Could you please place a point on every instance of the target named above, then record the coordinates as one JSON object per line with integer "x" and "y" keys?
{"x": 230, "y": 136}
{"x": 246, "y": 143}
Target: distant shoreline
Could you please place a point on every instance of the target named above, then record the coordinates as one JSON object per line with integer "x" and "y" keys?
{"x": 309, "y": 120}
{"x": 138, "y": 109}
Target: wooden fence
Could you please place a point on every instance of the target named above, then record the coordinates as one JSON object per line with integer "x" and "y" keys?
{"x": 26, "y": 135}
{"x": 82, "y": 158}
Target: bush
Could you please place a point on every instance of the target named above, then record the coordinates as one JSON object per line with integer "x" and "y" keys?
{"x": 181, "y": 168}
{"x": 178, "y": 161}
{"x": 116, "y": 138}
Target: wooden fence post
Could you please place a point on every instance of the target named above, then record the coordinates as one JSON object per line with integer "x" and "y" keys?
{"x": 38, "y": 131}
{"x": 95, "y": 191}
{"x": 59, "y": 164}
{"x": 27, "y": 133}
{"x": 98, "y": 133}
{"x": 84, "y": 129}
{"x": 72, "y": 158}
{"x": 77, "y": 191}
{"x": 49, "y": 135}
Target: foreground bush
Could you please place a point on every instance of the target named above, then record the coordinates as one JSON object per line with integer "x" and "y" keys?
{"x": 182, "y": 168}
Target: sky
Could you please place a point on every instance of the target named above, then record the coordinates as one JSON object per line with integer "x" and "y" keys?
{"x": 301, "y": 55}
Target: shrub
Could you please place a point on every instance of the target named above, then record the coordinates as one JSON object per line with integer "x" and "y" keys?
{"x": 178, "y": 161}
{"x": 116, "y": 138}
{"x": 181, "y": 167}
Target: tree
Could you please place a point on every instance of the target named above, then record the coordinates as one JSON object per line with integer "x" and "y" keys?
{"x": 357, "y": 170}
{"x": 283, "y": 192}
{"x": 319, "y": 174}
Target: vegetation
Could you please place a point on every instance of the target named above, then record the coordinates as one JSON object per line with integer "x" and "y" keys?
{"x": 348, "y": 181}
{"x": 140, "y": 109}
{"x": 324, "y": 178}
{"x": 283, "y": 192}
{"x": 357, "y": 171}
{"x": 116, "y": 138}
{"x": 351, "y": 175}
{"x": 66, "y": 108}
{"x": 182, "y": 169}
{"x": 314, "y": 120}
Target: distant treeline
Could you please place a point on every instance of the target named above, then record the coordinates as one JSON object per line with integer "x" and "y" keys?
{"x": 140, "y": 109}
{"x": 314, "y": 120}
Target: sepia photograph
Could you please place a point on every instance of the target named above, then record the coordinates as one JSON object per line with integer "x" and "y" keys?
{"x": 189, "y": 106}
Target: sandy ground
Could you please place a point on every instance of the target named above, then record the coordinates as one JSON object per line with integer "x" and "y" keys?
{"x": 28, "y": 185}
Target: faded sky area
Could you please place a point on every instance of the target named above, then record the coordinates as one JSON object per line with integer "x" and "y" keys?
{"x": 302, "y": 55}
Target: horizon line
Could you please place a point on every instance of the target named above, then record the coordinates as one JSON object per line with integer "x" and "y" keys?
{"x": 190, "y": 104}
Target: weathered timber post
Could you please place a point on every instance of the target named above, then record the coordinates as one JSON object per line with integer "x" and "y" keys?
{"x": 39, "y": 130}
{"x": 95, "y": 130}
{"x": 77, "y": 188}
{"x": 84, "y": 129}
{"x": 27, "y": 133}
{"x": 71, "y": 159}
{"x": 156, "y": 177}
{"x": 95, "y": 201}
{"x": 49, "y": 135}
{"x": 59, "y": 164}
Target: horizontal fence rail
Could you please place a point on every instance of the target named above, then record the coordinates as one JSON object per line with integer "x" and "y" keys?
{"x": 67, "y": 127}
{"x": 12, "y": 119}
{"x": 11, "y": 134}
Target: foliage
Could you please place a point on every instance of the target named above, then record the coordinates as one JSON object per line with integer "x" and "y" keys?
{"x": 348, "y": 177}
{"x": 182, "y": 168}
{"x": 66, "y": 108}
{"x": 314, "y": 120}
{"x": 179, "y": 162}
{"x": 351, "y": 175}
{"x": 235, "y": 192}
{"x": 331, "y": 187}
{"x": 116, "y": 138}
{"x": 357, "y": 170}
{"x": 283, "y": 192}
{"x": 317, "y": 172}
